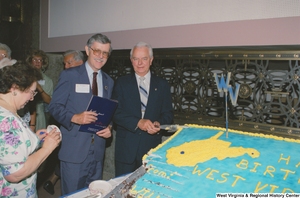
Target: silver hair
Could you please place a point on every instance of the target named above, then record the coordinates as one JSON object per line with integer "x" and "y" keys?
{"x": 77, "y": 55}
{"x": 101, "y": 39}
{"x": 142, "y": 44}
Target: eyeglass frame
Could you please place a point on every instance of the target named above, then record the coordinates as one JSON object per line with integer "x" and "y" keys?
{"x": 4, "y": 55}
{"x": 33, "y": 93}
{"x": 37, "y": 60}
{"x": 104, "y": 54}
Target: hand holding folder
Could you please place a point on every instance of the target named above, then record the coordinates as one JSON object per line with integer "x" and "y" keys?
{"x": 105, "y": 108}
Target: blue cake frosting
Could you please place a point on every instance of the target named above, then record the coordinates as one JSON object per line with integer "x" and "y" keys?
{"x": 200, "y": 161}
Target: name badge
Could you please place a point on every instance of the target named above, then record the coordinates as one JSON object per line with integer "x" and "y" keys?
{"x": 82, "y": 88}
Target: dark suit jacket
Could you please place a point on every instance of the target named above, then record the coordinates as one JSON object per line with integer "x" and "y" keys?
{"x": 65, "y": 103}
{"x": 159, "y": 108}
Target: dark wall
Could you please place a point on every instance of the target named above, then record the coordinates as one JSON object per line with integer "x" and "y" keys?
{"x": 19, "y": 26}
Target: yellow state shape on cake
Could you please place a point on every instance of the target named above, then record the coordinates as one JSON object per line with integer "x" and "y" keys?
{"x": 199, "y": 151}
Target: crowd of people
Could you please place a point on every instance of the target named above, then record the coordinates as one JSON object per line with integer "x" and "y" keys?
{"x": 28, "y": 99}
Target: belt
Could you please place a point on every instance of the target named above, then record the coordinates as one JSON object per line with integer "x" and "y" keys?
{"x": 93, "y": 139}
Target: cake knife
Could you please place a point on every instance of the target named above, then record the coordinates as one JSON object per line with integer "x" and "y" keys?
{"x": 94, "y": 196}
{"x": 172, "y": 128}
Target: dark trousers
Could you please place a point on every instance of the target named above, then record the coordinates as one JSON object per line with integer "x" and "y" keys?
{"x": 122, "y": 168}
{"x": 78, "y": 176}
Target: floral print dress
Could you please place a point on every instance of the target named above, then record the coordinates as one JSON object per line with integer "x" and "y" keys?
{"x": 17, "y": 142}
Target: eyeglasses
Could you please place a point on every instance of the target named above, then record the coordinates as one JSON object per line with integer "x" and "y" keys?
{"x": 37, "y": 60}
{"x": 98, "y": 52}
{"x": 3, "y": 55}
{"x": 33, "y": 93}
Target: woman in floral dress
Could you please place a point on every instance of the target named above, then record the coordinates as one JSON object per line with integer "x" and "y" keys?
{"x": 21, "y": 151}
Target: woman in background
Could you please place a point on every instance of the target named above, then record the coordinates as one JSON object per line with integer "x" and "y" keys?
{"x": 39, "y": 60}
{"x": 20, "y": 151}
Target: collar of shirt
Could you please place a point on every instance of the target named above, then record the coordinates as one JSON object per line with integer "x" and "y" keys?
{"x": 147, "y": 78}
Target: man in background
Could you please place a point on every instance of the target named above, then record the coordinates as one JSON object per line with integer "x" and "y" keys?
{"x": 81, "y": 154}
{"x": 141, "y": 110}
{"x": 72, "y": 58}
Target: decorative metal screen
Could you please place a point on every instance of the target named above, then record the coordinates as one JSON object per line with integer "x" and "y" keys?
{"x": 268, "y": 99}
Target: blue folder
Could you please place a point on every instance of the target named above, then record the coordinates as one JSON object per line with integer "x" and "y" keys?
{"x": 105, "y": 108}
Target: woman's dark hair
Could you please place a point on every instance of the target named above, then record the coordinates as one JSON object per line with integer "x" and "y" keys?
{"x": 20, "y": 75}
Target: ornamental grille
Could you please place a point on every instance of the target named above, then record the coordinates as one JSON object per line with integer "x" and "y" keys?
{"x": 268, "y": 99}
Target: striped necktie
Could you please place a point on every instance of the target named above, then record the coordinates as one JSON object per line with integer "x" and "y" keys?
{"x": 143, "y": 94}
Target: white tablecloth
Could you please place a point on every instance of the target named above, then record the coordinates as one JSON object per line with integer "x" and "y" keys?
{"x": 86, "y": 193}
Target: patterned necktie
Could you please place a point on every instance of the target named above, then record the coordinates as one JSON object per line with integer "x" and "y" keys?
{"x": 143, "y": 94}
{"x": 94, "y": 84}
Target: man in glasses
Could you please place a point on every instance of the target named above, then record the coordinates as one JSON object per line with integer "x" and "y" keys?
{"x": 72, "y": 58}
{"x": 81, "y": 154}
